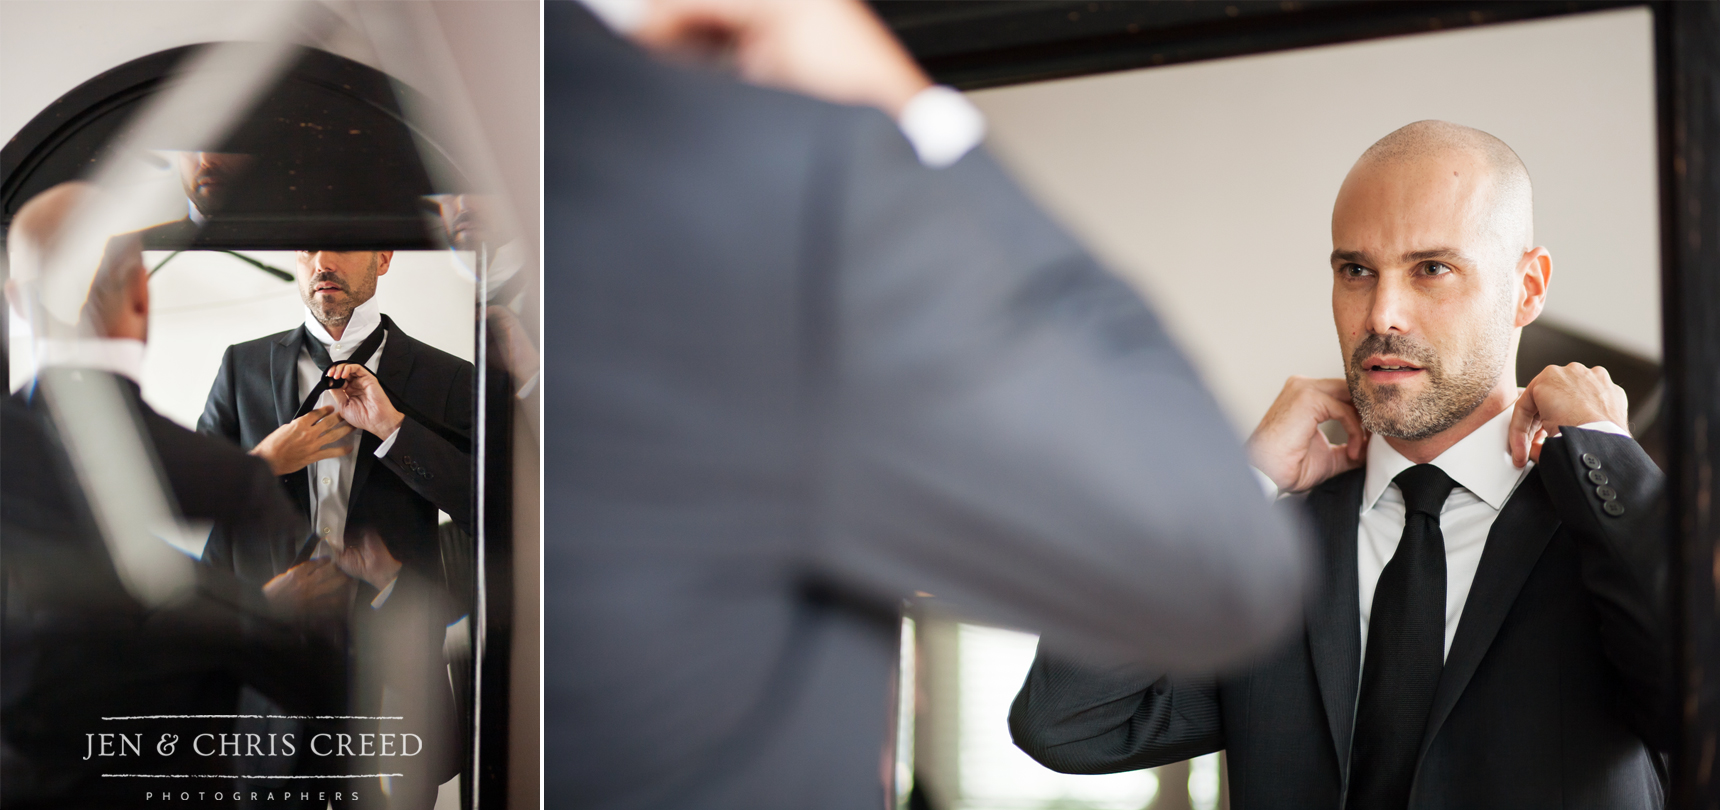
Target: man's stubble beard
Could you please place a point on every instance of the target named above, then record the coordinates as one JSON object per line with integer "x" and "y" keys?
{"x": 1388, "y": 410}
{"x": 337, "y": 316}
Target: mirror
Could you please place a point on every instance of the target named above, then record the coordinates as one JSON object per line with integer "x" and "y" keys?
{"x": 324, "y": 349}
{"x": 1210, "y": 185}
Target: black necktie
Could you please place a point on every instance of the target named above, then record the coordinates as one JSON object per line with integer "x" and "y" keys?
{"x": 319, "y": 354}
{"x": 1406, "y": 649}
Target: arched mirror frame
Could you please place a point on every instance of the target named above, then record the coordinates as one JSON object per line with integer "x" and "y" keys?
{"x": 71, "y": 135}
{"x": 972, "y": 45}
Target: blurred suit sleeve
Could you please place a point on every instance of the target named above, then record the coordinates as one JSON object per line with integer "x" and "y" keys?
{"x": 1013, "y": 432}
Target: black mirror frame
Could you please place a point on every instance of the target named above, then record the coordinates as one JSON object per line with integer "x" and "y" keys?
{"x": 971, "y": 45}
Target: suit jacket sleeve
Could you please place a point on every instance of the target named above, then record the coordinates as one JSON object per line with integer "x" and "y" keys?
{"x": 434, "y": 468}
{"x": 1624, "y": 563}
{"x": 220, "y": 411}
{"x": 1015, "y": 433}
{"x": 1076, "y": 719}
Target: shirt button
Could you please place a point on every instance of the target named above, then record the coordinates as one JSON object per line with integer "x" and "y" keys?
{"x": 325, "y": 481}
{"x": 325, "y": 530}
{"x": 1591, "y": 462}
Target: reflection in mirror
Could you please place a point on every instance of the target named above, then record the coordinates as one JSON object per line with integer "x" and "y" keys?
{"x": 1211, "y": 186}
{"x": 243, "y": 543}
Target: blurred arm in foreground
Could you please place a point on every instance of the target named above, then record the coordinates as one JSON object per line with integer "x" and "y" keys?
{"x": 794, "y": 376}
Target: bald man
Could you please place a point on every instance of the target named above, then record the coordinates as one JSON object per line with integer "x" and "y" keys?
{"x": 1493, "y": 627}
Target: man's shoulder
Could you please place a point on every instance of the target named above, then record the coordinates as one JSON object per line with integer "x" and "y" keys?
{"x": 259, "y": 346}
{"x": 432, "y": 358}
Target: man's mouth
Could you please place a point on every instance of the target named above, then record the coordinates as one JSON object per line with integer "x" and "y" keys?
{"x": 1389, "y": 369}
{"x": 327, "y": 288}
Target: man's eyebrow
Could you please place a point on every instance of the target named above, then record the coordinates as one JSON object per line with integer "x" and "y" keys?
{"x": 1433, "y": 254}
{"x": 1357, "y": 256}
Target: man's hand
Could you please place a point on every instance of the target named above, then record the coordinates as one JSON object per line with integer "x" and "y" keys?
{"x": 1559, "y": 397}
{"x": 1288, "y": 445}
{"x": 313, "y": 588}
{"x": 835, "y": 50}
{"x": 369, "y": 560}
{"x": 362, "y": 401}
{"x": 304, "y": 441}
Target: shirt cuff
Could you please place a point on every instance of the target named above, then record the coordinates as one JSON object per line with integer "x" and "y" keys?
{"x": 382, "y": 449}
{"x": 942, "y": 125}
{"x": 1606, "y": 427}
{"x": 382, "y": 596}
{"x": 1266, "y": 484}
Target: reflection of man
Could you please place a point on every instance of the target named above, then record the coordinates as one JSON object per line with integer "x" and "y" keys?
{"x": 385, "y": 449}
{"x": 796, "y": 376}
{"x": 77, "y": 649}
{"x": 208, "y": 179}
{"x": 1492, "y": 635}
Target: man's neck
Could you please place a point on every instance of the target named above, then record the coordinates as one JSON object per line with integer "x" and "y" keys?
{"x": 334, "y": 329}
{"x": 1422, "y": 451}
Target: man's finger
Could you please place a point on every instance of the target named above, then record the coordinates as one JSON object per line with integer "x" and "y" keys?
{"x": 1525, "y": 419}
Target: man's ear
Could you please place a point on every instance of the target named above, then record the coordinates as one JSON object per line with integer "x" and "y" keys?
{"x": 383, "y": 258}
{"x": 1534, "y": 276}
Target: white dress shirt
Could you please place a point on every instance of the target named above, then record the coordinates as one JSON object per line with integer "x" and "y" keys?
{"x": 331, "y": 478}
{"x": 122, "y": 356}
{"x": 1481, "y": 465}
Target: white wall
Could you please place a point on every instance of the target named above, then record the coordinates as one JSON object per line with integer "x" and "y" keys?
{"x": 202, "y": 302}
{"x": 1211, "y": 184}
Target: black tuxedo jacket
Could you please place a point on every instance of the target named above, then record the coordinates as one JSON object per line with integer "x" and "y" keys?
{"x": 1556, "y": 692}
{"x": 257, "y": 390}
{"x": 78, "y": 648}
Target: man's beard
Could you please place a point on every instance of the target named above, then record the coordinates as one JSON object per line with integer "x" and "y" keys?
{"x": 337, "y": 314}
{"x": 1389, "y": 410}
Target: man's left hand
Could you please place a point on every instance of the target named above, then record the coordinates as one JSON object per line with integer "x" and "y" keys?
{"x": 362, "y": 402}
{"x": 1559, "y": 397}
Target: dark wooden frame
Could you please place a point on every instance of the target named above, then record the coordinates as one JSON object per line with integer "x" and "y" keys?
{"x": 979, "y": 43}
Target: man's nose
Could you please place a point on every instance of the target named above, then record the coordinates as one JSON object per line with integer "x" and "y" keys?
{"x": 1389, "y": 310}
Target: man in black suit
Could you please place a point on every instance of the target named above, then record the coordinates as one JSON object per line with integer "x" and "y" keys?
{"x": 79, "y": 645}
{"x": 1490, "y": 633}
{"x": 383, "y": 443}
{"x": 795, "y": 375}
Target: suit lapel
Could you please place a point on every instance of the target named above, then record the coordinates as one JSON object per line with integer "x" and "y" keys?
{"x": 394, "y": 367}
{"x": 1334, "y": 617}
{"x": 284, "y": 374}
{"x": 1514, "y": 545}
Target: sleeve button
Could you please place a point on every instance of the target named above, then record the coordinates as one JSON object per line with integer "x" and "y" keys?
{"x": 1597, "y": 476}
{"x": 1591, "y": 462}
{"x": 1613, "y": 508}
{"x": 1607, "y": 493}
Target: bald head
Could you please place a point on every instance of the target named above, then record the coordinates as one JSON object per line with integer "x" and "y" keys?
{"x": 117, "y": 301}
{"x": 1500, "y": 174}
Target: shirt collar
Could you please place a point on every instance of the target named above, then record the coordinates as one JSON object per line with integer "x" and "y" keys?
{"x": 122, "y": 356}
{"x": 195, "y": 215}
{"x": 1480, "y": 462}
{"x": 364, "y": 320}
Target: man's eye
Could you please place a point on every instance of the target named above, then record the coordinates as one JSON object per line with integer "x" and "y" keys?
{"x": 1436, "y": 269}
{"x": 1355, "y": 271}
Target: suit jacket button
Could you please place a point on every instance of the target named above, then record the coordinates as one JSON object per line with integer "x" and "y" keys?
{"x": 1597, "y": 476}
{"x": 1591, "y": 462}
{"x": 1607, "y": 493}
{"x": 1613, "y": 508}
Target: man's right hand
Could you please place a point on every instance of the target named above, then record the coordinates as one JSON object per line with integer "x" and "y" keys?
{"x": 312, "y": 588}
{"x": 1288, "y": 445}
{"x": 304, "y": 441}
